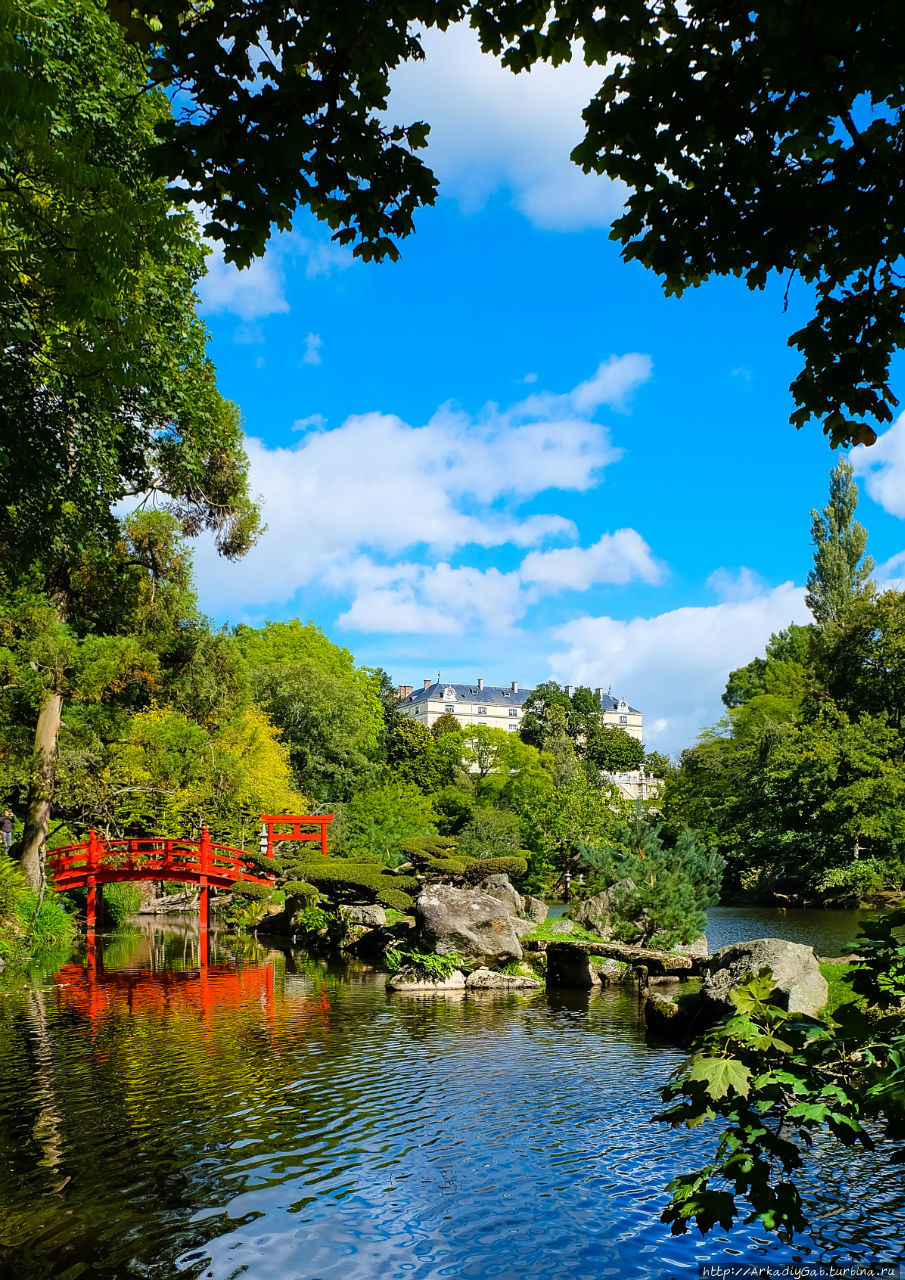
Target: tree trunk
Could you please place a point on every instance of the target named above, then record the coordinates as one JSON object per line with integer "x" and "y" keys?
{"x": 41, "y": 787}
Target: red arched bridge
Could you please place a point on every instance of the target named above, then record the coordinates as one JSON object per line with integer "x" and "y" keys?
{"x": 97, "y": 862}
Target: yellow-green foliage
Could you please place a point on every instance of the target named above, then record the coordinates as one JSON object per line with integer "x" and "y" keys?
{"x": 172, "y": 775}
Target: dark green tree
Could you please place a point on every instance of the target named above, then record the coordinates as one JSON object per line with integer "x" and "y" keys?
{"x": 663, "y": 891}
{"x": 413, "y": 756}
{"x": 535, "y": 712}
{"x": 611, "y": 749}
{"x": 842, "y": 570}
{"x": 447, "y": 723}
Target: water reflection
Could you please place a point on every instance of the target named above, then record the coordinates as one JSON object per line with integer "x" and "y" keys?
{"x": 267, "y": 1115}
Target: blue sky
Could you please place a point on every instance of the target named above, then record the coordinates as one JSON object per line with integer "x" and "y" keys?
{"x": 508, "y": 455}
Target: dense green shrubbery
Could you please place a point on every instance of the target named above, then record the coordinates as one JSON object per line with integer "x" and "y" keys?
{"x": 25, "y": 927}
{"x": 299, "y": 889}
{"x": 478, "y": 869}
{"x": 121, "y": 901}
{"x": 429, "y": 963}
{"x": 776, "y": 1082}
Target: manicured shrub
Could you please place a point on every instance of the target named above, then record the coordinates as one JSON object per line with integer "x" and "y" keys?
{"x": 245, "y": 889}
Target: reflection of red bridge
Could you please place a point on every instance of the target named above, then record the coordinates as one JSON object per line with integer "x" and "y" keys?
{"x": 92, "y": 994}
{"x": 97, "y": 862}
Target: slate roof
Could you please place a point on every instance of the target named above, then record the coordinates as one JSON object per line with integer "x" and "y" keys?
{"x": 490, "y": 695}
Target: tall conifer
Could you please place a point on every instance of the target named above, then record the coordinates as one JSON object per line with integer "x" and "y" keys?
{"x": 842, "y": 568}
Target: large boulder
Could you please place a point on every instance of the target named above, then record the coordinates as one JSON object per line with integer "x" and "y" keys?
{"x": 798, "y": 984}
{"x": 522, "y": 927}
{"x": 467, "y": 922}
{"x": 534, "y": 909}
{"x": 371, "y": 915}
{"x": 697, "y": 949}
{"x": 488, "y": 980}
{"x": 501, "y": 888}
{"x": 594, "y": 913}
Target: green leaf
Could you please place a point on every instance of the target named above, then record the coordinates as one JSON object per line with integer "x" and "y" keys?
{"x": 720, "y": 1075}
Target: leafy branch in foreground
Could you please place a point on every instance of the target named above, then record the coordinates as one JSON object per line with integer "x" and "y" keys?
{"x": 775, "y": 1079}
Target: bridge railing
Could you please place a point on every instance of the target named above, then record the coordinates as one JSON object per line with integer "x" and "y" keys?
{"x": 151, "y": 858}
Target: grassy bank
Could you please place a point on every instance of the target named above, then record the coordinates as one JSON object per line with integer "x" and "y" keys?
{"x": 29, "y": 927}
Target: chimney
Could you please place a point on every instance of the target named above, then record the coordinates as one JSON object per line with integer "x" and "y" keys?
{"x": 427, "y": 683}
{"x": 599, "y": 693}
{"x": 481, "y": 683}
{"x": 570, "y": 689}
{"x": 403, "y": 691}
{"x": 515, "y": 686}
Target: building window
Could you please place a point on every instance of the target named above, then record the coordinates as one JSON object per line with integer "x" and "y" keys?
{"x": 513, "y": 728}
{"x": 623, "y": 719}
{"x": 482, "y": 711}
{"x": 450, "y": 708}
{"x": 513, "y": 712}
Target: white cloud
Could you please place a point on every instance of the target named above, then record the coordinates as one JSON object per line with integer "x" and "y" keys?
{"x": 259, "y": 290}
{"x": 313, "y": 422}
{"x": 890, "y": 576}
{"x": 251, "y": 294}
{"x": 613, "y": 383}
{"x": 376, "y": 489}
{"x": 430, "y": 599}
{"x": 743, "y": 584}
{"x": 883, "y": 465}
{"x": 312, "y": 353}
{"x": 492, "y": 130}
{"x": 674, "y": 666}
{"x": 617, "y": 557}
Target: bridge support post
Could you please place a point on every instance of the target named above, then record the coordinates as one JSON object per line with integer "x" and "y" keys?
{"x": 94, "y": 913}
{"x": 204, "y": 860}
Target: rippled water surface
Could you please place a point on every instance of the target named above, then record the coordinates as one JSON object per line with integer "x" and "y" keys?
{"x": 271, "y": 1117}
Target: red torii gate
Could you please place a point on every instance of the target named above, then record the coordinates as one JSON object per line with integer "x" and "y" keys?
{"x": 295, "y": 833}
{"x": 97, "y": 862}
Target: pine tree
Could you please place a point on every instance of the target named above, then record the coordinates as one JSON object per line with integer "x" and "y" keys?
{"x": 841, "y": 570}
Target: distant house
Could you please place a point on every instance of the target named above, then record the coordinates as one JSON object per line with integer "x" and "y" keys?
{"x": 500, "y": 707}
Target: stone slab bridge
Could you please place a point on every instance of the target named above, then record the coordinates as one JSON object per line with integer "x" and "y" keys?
{"x": 97, "y": 862}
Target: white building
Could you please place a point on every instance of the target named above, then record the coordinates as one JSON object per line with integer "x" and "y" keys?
{"x": 502, "y": 708}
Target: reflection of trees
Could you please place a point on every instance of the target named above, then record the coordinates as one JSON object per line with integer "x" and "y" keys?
{"x": 140, "y": 1096}
{"x": 137, "y": 1083}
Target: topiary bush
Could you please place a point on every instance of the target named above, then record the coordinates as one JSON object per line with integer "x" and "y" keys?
{"x": 246, "y": 889}
{"x": 478, "y": 869}
{"x": 345, "y": 881}
{"x": 299, "y": 889}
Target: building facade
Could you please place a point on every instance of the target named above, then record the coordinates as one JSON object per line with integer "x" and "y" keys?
{"x": 500, "y": 707}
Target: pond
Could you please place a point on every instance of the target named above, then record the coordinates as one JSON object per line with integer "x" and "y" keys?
{"x": 276, "y": 1118}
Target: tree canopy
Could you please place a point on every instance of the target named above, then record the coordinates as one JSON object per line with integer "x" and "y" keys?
{"x": 108, "y": 392}
{"x": 752, "y": 142}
